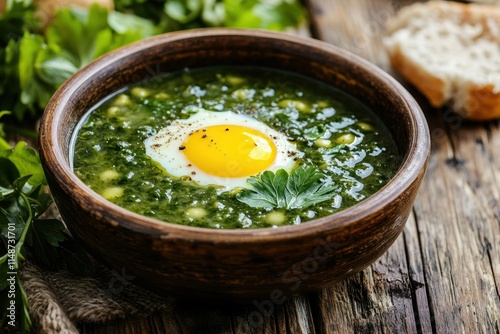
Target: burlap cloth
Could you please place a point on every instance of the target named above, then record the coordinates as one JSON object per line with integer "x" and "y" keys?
{"x": 59, "y": 300}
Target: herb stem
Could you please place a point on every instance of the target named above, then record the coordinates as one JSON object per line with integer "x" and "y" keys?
{"x": 26, "y": 322}
{"x": 26, "y": 227}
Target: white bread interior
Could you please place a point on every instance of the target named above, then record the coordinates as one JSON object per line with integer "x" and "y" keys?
{"x": 451, "y": 52}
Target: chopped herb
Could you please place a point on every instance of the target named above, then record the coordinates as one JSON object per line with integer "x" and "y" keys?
{"x": 316, "y": 132}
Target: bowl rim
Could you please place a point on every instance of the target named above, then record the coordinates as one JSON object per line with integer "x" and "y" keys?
{"x": 412, "y": 166}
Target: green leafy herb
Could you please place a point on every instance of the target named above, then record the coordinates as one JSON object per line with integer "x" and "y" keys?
{"x": 45, "y": 62}
{"x": 183, "y": 14}
{"x": 26, "y": 161}
{"x": 183, "y": 11}
{"x": 299, "y": 189}
{"x": 4, "y": 145}
{"x": 273, "y": 15}
{"x": 22, "y": 231}
{"x": 330, "y": 151}
{"x": 17, "y": 18}
{"x": 9, "y": 79}
{"x": 34, "y": 64}
{"x": 316, "y": 132}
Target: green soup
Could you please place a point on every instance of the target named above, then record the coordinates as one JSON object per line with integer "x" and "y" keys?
{"x": 317, "y": 127}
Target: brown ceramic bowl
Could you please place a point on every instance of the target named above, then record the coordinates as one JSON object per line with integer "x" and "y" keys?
{"x": 235, "y": 264}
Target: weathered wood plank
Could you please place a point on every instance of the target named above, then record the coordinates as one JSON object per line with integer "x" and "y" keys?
{"x": 378, "y": 300}
{"x": 356, "y": 26}
{"x": 417, "y": 275}
{"x": 294, "y": 316}
{"x": 459, "y": 229}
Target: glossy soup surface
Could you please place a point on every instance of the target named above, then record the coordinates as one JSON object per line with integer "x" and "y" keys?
{"x": 180, "y": 147}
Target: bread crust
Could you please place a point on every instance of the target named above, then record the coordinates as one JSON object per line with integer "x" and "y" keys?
{"x": 468, "y": 13}
{"x": 431, "y": 86}
{"x": 482, "y": 104}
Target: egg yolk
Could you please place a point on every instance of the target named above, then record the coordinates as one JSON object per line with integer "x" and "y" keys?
{"x": 229, "y": 150}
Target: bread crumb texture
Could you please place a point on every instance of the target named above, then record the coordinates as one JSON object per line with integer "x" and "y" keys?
{"x": 451, "y": 52}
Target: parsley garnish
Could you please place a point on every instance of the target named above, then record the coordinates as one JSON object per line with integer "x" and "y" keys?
{"x": 299, "y": 189}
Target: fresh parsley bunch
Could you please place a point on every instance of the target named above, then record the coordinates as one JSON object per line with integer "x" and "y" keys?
{"x": 22, "y": 230}
{"x": 34, "y": 62}
{"x": 183, "y": 14}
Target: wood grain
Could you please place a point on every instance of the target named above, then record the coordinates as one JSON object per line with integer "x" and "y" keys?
{"x": 442, "y": 275}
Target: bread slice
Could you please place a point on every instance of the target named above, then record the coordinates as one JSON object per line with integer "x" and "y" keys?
{"x": 451, "y": 52}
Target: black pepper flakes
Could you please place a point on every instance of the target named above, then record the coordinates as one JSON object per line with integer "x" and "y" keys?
{"x": 182, "y": 147}
{"x": 204, "y": 136}
{"x": 227, "y": 129}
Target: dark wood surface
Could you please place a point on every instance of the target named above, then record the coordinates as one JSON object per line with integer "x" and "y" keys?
{"x": 442, "y": 275}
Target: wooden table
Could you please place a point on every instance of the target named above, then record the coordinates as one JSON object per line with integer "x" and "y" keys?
{"x": 443, "y": 273}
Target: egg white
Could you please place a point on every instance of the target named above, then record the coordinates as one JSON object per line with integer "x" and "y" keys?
{"x": 164, "y": 147}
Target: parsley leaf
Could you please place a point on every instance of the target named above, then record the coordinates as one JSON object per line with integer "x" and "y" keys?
{"x": 301, "y": 188}
{"x": 268, "y": 192}
{"x": 96, "y": 30}
{"x": 26, "y": 161}
{"x": 183, "y": 11}
{"x": 273, "y": 15}
{"x": 45, "y": 237}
